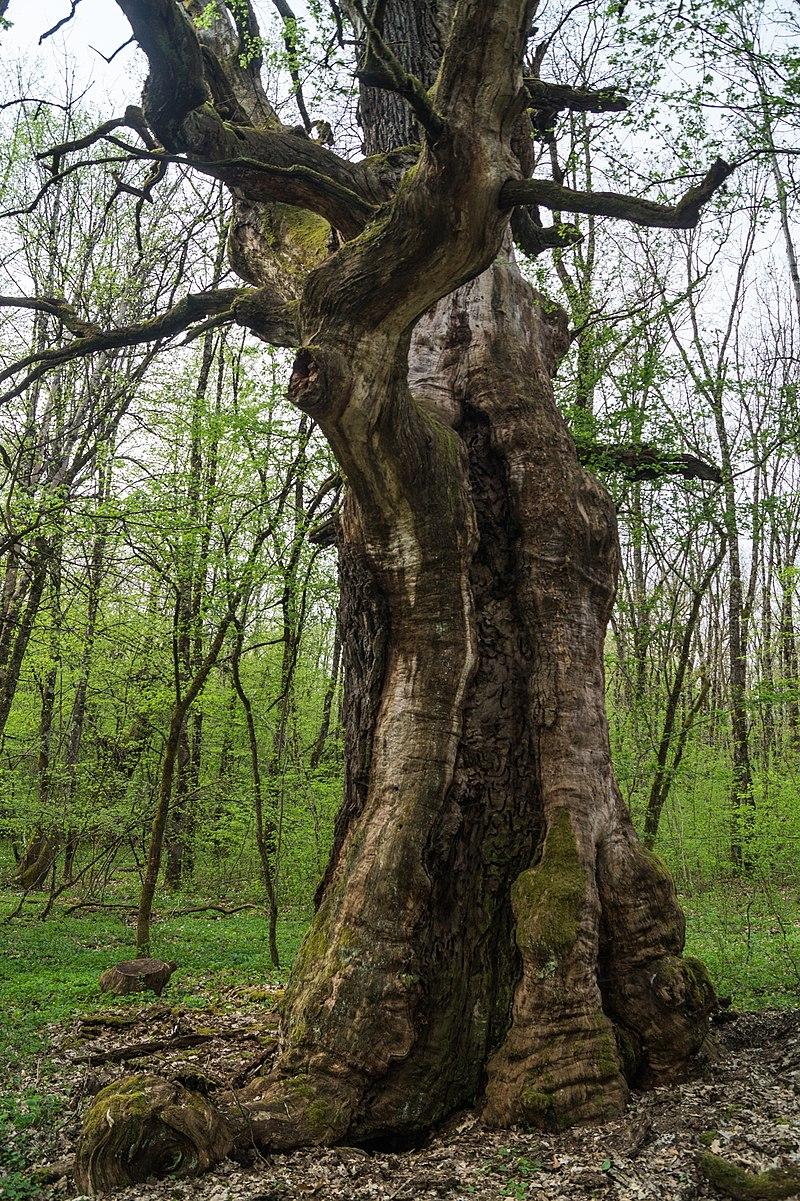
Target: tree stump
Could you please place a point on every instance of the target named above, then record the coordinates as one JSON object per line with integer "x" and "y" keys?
{"x": 137, "y": 975}
{"x": 142, "y": 1127}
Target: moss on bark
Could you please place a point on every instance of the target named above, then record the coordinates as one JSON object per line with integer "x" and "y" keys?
{"x": 547, "y": 898}
{"x": 143, "y": 1127}
{"x": 736, "y": 1182}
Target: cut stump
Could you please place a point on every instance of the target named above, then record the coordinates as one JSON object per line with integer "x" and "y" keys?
{"x": 137, "y": 975}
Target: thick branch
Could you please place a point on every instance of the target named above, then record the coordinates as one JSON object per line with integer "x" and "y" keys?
{"x": 176, "y": 84}
{"x": 480, "y": 72}
{"x": 265, "y": 164}
{"x": 555, "y": 97}
{"x": 533, "y": 238}
{"x": 230, "y": 41}
{"x": 683, "y": 215}
{"x": 253, "y": 308}
{"x": 646, "y": 462}
{"x": 133, "y": 118}
{"x": 56, "y": 307}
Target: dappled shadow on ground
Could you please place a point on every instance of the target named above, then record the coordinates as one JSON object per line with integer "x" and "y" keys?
{"x": 743, "y": 1104}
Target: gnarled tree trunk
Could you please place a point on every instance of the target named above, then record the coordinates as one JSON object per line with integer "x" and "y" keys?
{"x": 489, "y": 930}
{"x": 489, "y": 926}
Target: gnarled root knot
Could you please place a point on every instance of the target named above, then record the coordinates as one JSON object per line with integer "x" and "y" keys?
{"x": 141, "y": 1127}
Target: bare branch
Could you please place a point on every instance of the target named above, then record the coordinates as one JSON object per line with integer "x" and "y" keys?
{"x": 256, "y": 309}
{"x": 56, "y": 307}
{"x": 683, "y": 215}
{"x": 133, "y": 118}
{"x": 54, "y": 179}
{"x": 119, "y": 49}
{"x": 64, "y": 21}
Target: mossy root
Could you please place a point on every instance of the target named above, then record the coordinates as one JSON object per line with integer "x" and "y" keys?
{"x": 143, "y": 1127}
{"x": 742, "y": 1185}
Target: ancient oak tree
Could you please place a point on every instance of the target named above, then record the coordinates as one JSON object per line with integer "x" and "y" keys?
{"x": 489, "y": 930}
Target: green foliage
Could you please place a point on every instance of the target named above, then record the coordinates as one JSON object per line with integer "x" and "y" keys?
{"x": 748, "y": 936}
{"x": 514, "y": 1173}
{"x": 20, "y": 1115}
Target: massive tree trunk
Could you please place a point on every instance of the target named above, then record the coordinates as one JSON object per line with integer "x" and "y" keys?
{"x": 489, "y": 930}
{"x": 489, "y": 926}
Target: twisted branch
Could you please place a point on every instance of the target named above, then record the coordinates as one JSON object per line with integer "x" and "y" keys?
{"x": 683, "y": 215}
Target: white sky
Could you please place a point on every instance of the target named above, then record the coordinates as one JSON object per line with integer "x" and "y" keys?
{"x": 97, "y": 23}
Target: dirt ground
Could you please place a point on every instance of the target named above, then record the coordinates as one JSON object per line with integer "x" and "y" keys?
{"x": 743, "y": 1104}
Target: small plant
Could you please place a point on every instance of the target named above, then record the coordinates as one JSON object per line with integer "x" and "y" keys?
{"x": 517, "y": 1170}
{"x": 19, "y": 1115}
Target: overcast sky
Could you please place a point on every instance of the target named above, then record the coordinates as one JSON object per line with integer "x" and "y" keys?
{"x": 97, "y": 23}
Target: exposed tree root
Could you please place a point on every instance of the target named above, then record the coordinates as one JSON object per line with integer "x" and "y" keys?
{"x": 142, "y": 1127}
{"x": 742, "y": 1185}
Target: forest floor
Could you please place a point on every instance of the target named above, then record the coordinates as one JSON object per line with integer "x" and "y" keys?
{"x": 58, "y": 1031}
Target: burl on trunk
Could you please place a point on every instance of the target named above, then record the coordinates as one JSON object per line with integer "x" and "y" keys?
{"x": 489, "y": 932}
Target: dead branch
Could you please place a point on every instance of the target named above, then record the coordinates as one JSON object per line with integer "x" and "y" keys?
{"x": 133, "y": 118}
{"x": 683, "y": 215}
{"x": 64, "y": 21}
{"x": 555, "y": 97}
{"x": 646, "y": 462}
{"x": 137, "y": 1050}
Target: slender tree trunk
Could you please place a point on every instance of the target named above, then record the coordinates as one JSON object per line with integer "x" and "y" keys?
{"x": 663, "y": 777}
{"x": 161, "y": 814}
{"x": 79, "y": 704}
{"x": 327, "y": 703}
{"x": 742, "y": 784}
{"x": 789, "y": 657}
{"x": 265, "y": 828}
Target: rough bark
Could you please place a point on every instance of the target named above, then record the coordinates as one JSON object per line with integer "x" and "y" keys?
{"x": 489, "y": 930}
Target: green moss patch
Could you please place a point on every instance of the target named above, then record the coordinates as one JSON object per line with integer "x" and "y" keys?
{"x": 742, "y": 1185}
{"x": 548, "y": 898}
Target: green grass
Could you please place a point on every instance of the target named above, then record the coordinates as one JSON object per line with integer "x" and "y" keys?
{"x": 749, "y": 938}
{"x": 50, "y": 970}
